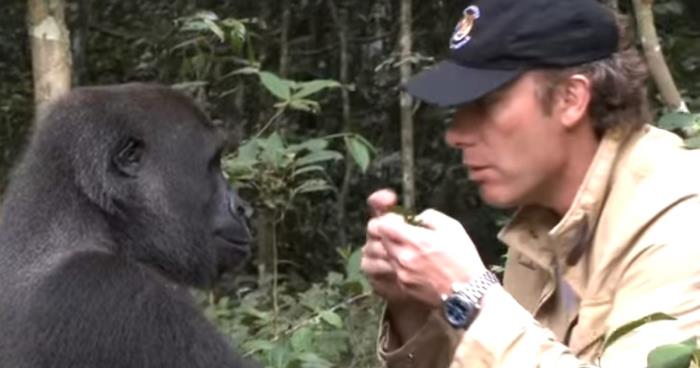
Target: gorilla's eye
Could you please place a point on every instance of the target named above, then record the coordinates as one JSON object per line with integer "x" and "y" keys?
{"x": 128, "y": 157}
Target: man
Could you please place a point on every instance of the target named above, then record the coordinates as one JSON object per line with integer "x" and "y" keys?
{"x": 552, "y": 119}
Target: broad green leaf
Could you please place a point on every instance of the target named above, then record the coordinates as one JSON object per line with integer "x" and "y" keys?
{"x": 258, "y": 345}
{"x": 693, "y": 143}
{"x": 629, "y": 327}
{"x": 246, "y": 70}
{"x": 215, "y": 29}
{"x": 673, "y": 355}
{"x": 352, "y": 267}
{"x": 312, "y": 360}
{"x": 354, "y": 271}
{"x": 276, "y": 85}
{"x": 280, "y": 356}
{"x": 308, "y": 169}
{"x": 315, "y": 144}
{"x": 364, "y": 141}
{"x": 236, "y": 32}
{"x": 359, "y": 152}
{"x": 332, "y": 319}
{"x": 249, "y": 150}
{"x": 273, "y": 149}
{"x": 302, "y": 340}
{"x": 316, "y": 185}
{"x": 305, "y": 105}
{"x": 309, "y": 88}
{"x": 318, "y": 156}
{"x": 678, "y": 120}
{"x": 206, "y": 15}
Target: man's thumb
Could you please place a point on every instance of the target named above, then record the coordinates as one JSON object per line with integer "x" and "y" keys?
{"x": 381, "y": 201}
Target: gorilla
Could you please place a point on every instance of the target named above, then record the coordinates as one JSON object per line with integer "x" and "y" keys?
{"x": 117, "y": 207}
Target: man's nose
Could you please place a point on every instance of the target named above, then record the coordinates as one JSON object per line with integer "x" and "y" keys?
{"x": 459, "y": 136}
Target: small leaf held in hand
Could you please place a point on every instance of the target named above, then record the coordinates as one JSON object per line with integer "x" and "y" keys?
{"x": 408, "y": 216}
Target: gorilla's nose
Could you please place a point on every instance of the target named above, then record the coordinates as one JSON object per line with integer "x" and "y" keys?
{"x": 238, "y": 207}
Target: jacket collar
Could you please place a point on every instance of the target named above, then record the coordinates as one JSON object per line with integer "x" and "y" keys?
{"x": 550, "y": 241}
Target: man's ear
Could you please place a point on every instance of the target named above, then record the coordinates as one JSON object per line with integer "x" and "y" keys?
{"x": 574, "y": 99}
{"x": 128, "y": 157}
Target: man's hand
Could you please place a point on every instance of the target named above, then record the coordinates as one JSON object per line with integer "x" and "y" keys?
{"x": 407, "y": 315}
{"x": 376, "y": 263}
{"x": 426, "y": 260}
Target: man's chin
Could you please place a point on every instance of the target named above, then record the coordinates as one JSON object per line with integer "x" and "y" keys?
{"x": 497, "y": 199}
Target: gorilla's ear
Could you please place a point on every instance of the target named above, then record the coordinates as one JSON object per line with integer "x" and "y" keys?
{"x": 127, "y": 160}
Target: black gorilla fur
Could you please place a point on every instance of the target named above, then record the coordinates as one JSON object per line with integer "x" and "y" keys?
{"x": 117, "y": 207}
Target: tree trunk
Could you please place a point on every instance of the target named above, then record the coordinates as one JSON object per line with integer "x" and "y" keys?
{"x": 51, "y": 58}
{"x": 407, "y": 151}
{"x": 265, "y": 242}
{"x": 284, "y": 41}
{"x": 655, "y": 58}
{"x": 79, "y": 42}
{"x": 339, "y": 17}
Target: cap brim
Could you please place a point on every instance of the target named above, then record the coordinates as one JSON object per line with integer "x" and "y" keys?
{"x": 451, "y": 84}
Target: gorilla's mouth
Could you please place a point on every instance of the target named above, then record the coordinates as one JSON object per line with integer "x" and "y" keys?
{"x": 231, "y": 253}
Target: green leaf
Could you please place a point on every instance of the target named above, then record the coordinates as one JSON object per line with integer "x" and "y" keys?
{"x": 354, "y": 271}
{"x": 273, "y": 149}
{"x": 359, "y": 152}
{"x": 693, "y": 143}
{"x": 315, "y": 144}
{"x": 315, "y": 185}
{"x": 258, "y": 345}
{"x": 308, "y": 169}
{"x": 332, "y": 319}
{"x": 629, "y": 327}
{"x": 249, "y": 150}
{"x": 302, "y": 340}
{"x": 206, "y": 15}
{"x": 279, "y": 87}
{"x": 214, "y": 28}
{"x": 247, "y": 70}
{"x": 305, "y": 105}
{"x": 280, "y": 356}
{"x": 312, "y": 360}
{"x": 309, "y": 88}
{"x": 678, "y": 120}
{"x": 319, "y": 156}
{"x": 673, "y": 355}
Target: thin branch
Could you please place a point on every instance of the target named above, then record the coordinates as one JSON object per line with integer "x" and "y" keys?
{"x": 655, "y": 59}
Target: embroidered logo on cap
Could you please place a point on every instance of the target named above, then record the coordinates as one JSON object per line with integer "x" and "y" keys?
{"x": 462, "y": 31}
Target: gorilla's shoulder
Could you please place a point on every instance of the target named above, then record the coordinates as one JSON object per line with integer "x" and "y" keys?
{"x": 95, "y": 281}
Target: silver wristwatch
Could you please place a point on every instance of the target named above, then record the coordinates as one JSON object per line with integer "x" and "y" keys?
{"x": 462, "y": 306}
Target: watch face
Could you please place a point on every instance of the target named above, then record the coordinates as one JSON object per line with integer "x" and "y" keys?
{"x": 459, "y": 312}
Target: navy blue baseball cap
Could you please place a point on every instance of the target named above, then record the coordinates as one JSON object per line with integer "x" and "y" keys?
{"x": 496, "y": 41}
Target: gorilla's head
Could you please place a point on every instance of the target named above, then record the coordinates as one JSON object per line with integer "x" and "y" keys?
{"x": 148, "y": 158}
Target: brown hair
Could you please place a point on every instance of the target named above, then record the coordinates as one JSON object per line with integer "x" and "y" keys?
{"x": 618, "y": 88}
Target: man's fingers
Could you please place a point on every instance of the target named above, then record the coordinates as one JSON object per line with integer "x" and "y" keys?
{"x": 433, "y": 219}
{"x": 381, "y": 201}
{"x": 393, "y": 227}
{"x": 376, "y": 267}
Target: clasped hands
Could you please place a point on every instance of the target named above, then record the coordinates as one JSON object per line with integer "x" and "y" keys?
{"x": 408, "y": 263}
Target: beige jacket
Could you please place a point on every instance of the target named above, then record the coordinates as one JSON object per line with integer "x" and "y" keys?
{"x": 628, "y": 247}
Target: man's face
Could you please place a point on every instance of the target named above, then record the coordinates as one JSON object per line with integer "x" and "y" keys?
{"x": 513, "y": 149}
